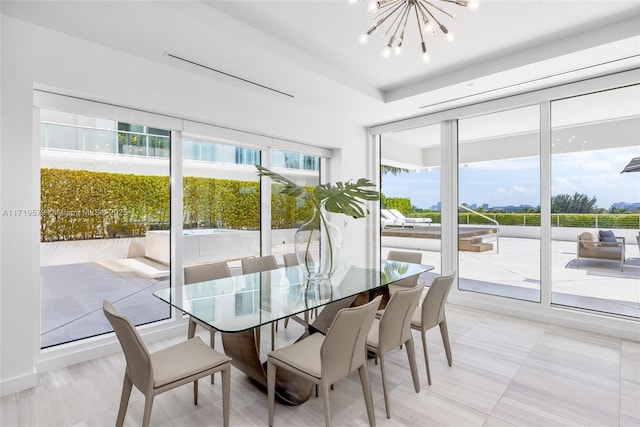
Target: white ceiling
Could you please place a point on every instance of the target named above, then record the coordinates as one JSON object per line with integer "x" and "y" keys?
{"x": 310, "y": 49}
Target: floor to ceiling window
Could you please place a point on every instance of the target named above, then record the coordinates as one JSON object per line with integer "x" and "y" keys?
{"x": 221, "y": 202}
{"x": 499, "y": 203}
{"x": 104, "y": 187}
{"x": 594, "y": 205}
{"x": 410, "y": 193}
{"x": 288, "y": 212}
{"x": 548, "y": 211}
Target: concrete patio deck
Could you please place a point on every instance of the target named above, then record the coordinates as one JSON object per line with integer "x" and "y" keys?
{"x": 72, "y": 294}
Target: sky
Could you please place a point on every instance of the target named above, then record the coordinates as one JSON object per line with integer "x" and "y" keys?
{"x": 517, "y": 182}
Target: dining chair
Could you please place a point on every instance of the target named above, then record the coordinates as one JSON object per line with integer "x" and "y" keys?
{"x": 391, "y": 331}
{"x": 200, "y": 273}
{"x": 157, "y": 372}
{"x": 325, "y": 359}
{"x": 258, "y": 265}
{"x": 402, "y": 256}
{"x": 291, "y": 260}
{"x": 431, "y": 313}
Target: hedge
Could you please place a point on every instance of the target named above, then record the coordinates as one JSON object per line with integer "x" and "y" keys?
{"x": 80, "y": 205}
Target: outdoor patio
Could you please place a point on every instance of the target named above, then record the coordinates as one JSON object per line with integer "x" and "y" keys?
{"x": 72, "y": 295}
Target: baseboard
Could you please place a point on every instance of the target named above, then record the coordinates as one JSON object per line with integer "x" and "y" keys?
{"x": 16, "y": 384}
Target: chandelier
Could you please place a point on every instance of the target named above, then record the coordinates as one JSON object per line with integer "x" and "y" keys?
{"x": 396, "y": 13}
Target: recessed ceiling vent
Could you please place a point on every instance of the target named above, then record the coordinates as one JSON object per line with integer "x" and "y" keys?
{"x": 227, "y": 74}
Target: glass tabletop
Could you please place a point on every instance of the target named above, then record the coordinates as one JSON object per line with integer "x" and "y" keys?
{"x": 247, "y": 301}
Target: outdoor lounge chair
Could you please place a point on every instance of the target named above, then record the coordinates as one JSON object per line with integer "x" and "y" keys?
{"x": 387, "y": 219}
{"x": 409, "y": 221}
{"x": 603, "y": 245}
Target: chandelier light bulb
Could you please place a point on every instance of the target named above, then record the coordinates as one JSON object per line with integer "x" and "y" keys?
{"x": 352, "y": 2}
{"x": 398, "y": 50}
{"x": 426, "y": 58}
{"x": 451, "y": 36}
{"x": 374, "y": 6}
{"x": 473, "y": 5}
{"x": 428, "y": 26}
{"x": 386, "y": 52}
{"x": 363, "y": 38}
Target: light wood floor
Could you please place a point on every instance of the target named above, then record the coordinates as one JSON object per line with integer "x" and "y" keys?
{"x": 506, "y": 372}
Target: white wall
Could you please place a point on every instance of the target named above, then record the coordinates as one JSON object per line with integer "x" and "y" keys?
{"x": 35, "y": 57}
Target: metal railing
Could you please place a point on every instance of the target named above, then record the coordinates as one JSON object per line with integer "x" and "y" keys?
{"x": 490, "y": 220}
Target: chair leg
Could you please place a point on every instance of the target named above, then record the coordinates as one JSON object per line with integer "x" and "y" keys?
{"x": 423, "y": 333}
{"x": 271, "y": 389}
{"x": 366, "y": 389}
{"x": 286, "y": 322}
{"x": 411, "y": 354}
{"x": 192, "y": 329}
{"x": 384, "y": 386}
{"x": 226, "y": 394}
{"x": 274, "y": 325}
{"x": 148, "y": 404}
{"x": 212, "y": 342}
{"x": 325, "y": 399}
{"x": 124, "y": 399}
{"x": 195, "y": 392}
{"x": 445, "y": 340}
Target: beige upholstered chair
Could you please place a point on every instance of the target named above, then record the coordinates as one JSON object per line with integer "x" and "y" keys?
{"x": 392, "y": 330}
{"x": 201, "y": 273}
{"x": 154, "y": 373}
{"x": 324, "y": 360}
{"x": 431, "y": 314}
{"x": 258, "y": 265}
{"x": 290, "y": 260}
{"x": 412, "y": 257}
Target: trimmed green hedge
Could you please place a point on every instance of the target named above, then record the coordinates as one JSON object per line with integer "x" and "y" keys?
{"x": 80, "y": 205}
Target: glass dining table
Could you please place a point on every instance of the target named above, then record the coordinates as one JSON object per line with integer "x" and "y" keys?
{"x": 240, "y": 305}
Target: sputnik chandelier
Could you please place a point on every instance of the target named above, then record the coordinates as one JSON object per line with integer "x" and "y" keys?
{"x": 396, "y": 13}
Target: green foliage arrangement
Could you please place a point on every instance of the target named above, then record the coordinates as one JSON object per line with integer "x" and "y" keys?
{"x": 345, "y": 198}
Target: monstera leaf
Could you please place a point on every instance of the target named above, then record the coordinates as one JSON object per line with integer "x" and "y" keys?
{"x": 347, "y": 198}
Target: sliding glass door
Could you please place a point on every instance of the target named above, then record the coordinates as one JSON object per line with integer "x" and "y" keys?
{"x": 595, "y": 206}
{"x": 104, "y": 187}
{"x": 410, "y": 201}
{"x": 499, "y": 203}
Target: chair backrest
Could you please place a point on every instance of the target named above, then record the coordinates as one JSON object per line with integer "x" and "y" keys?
{"x": 397, "y": 213}
{"x": 386, "y": 214}
{"x": 412, "y": 257}
{"x": 433, "y": 302}
{"x": 344, "y": 348}
{"x": 259, "y": 264}
{"x": 203, "y": 272}
{"x": 135, "y": 352}
{"x": 290, "y": 259}
{"x": 395, "y": 324}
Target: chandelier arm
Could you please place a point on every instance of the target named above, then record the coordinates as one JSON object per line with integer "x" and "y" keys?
{"x": 385, "y": 4}
{"x": 424, "y": 49}
{"x": 397, "y": 19}
{"x": 436, "y": 7}
{"x": 404, "y": 25}
{"x": 442, "y": 27}
{"x": 387, "y": 14}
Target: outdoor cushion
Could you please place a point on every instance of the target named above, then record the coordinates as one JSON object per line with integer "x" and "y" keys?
{"x": 589, "y": 239}
{"x": 607, "y": 236}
